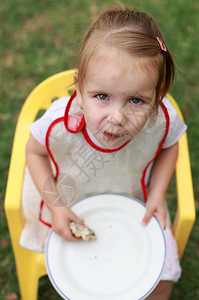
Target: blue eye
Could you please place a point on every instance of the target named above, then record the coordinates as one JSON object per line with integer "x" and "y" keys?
{"x": 102, "y": 96}
{"x": 136, "y": 101}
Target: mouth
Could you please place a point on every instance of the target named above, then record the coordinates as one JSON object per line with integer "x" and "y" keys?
{"x": 112, "y": 135}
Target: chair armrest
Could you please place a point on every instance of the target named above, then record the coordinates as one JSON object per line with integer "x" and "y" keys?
{"x": 185, "y": 215}
{"x": 12, "y": 202}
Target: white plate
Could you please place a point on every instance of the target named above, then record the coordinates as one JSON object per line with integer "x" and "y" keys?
{"x": 124, "y": 263}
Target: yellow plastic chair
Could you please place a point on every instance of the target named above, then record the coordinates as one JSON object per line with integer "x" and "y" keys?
{"x": 31, "y": 265}
{"x": 185, "y": 215}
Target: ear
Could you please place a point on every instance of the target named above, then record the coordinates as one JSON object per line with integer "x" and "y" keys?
{"x": 79, "y": 95}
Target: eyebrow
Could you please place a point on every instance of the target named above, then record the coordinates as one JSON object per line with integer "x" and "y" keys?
{"x": 96, "y": 92}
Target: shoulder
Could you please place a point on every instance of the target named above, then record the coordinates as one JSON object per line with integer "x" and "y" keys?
{"x": 56, "y": 110}
{"x": 176, "y": 126}
{"x": 170, "y": 108}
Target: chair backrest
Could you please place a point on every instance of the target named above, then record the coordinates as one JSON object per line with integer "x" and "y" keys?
{"x": 41, "y": 97}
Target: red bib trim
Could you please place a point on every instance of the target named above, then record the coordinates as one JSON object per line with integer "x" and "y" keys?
{"x": 106, "y": 150}
{"x": 144, "y": 188}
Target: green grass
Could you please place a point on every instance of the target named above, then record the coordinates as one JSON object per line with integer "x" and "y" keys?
{"x": 41, "y": 38}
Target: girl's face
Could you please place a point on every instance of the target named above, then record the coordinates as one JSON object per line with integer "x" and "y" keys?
{"x": 118, "y": 96}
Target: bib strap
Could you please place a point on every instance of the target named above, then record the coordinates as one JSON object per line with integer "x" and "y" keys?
{"x": 73, "y": 123}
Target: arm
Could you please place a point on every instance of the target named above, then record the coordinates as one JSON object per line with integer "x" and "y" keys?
{"x": 161, "y": 173}
{"x": 40, "y": 170}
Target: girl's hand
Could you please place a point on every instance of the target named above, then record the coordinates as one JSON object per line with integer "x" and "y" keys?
{"x": 161, "y": 173}
{"x": 61, "y": 219}
{"x": 157, "y": 207}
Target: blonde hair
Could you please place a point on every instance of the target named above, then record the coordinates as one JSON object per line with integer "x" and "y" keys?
{"x": 133, "y": 32}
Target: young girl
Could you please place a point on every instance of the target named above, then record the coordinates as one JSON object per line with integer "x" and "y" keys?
{"x": 117, "y": 133}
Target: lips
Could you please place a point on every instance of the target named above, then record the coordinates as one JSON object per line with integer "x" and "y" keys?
{"x": 112, "y": 135}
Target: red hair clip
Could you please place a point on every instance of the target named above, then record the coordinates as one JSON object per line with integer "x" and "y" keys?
{"x": 162, "y": 45}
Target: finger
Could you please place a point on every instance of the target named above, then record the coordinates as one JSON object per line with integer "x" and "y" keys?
{"x": 148, "y": 215}
{"x": 67, "y": 235}
{"x": 77, "y": 220}
{"x": 162, "y": 221}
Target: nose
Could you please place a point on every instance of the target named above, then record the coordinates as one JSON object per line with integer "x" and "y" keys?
{"x": 116, "y": 116}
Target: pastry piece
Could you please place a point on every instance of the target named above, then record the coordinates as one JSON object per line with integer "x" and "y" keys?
{"x": 83, "y": 232}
